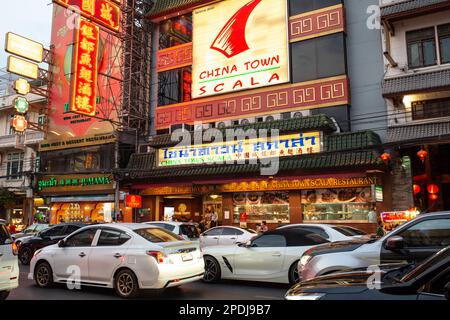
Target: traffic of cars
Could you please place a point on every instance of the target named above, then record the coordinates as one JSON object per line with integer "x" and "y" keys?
{"x": 319, "y": 261}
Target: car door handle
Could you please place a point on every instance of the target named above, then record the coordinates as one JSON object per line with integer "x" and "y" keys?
{"x": 117, "y": 255}
{"x": 82, "y": 254}
{"x": 216, "y": 238}
{"x": 232, "y": 238}
{"x": 1, "y": 254}
{"x": 276, "y": 254}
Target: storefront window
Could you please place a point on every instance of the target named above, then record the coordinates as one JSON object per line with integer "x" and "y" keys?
{"x": 272, "y": 207}
{"x": 86, "y": 212}
{"x": 337, "y": 205}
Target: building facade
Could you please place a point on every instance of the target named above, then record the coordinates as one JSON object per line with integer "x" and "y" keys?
{"x": 416, "y": 45}
{"x": 19, "y": 159}
{"x": 311, "y": 70}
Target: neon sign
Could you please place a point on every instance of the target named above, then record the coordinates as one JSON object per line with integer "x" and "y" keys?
{"x": 85, "y": 69}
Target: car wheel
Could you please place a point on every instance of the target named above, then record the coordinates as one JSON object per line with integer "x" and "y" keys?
{"x": 212, "y": 270}
{"x": 294, "y": 277}
{"x": 126, "y": 284}
{"x": 25, "y": 255}
{"x": 43, "y": 275}
{"x": 4, "y": 295}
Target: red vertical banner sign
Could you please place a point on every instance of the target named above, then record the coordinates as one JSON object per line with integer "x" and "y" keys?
{"x": 85, "y": 69}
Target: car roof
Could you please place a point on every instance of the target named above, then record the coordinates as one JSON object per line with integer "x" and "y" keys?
{"x": 174, "y": 223}
{"x": 121, "y": 226}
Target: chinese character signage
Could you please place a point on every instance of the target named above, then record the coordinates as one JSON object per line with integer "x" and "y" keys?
{"x": 84, "y": 79}
{"x": 64, "y": 125}
{"x": 103, "y": 12}
{"x": 283, "y": 146}
{"x": 239, "y": 45}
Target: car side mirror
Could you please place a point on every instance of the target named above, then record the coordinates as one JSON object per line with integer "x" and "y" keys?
{"x": 61, "y": 243}
{"x": 395, "y": 243}
{"x": 447, "y": 291}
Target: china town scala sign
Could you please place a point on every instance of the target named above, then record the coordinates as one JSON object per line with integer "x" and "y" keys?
{"x": 239, "y": 45}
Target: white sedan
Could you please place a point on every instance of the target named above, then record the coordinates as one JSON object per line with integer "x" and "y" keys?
{"x": 226, "y": 236}
{"x": 330, "y": 232}
{"x": 270, "y": 257}
{"x": 126, "y": 257}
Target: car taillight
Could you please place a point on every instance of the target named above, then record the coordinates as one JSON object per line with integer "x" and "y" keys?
{"x": 158, "y": 255}
{"x": 15, "y": 249}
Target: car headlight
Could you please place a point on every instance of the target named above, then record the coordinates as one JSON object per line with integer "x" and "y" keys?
{"x": 304, "y": 296}
{"x": 304, "y": 260}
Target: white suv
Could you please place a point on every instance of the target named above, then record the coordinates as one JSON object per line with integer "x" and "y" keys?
{"x": 9, "y": 265}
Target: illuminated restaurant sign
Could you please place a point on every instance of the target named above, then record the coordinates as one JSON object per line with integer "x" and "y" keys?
{"x": 76, "y": 142}
{"x": 233, "y": 151}
{"x": 23, "y": 67}
{"x": 24, "y": 47}
{"x": 67, "y": 183}
{"x": 85, "y": 59}
{"x": 239, "y": 45}
{"x": 133, "y": 201}
{"x": 103, "y": 12}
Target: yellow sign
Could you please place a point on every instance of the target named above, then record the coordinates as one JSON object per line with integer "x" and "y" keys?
{"x": 23, "y": 67}
{"x": 22, "y": 86}
{"x": 242, "y": 150}
{"x": 77, "y": 142}
{"x": 24, "y": 47}
{"x": 239, "y": 45}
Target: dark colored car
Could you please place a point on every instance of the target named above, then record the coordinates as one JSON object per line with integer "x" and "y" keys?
{"x": 45, "y": 238}
{"x": 429, "y": 280}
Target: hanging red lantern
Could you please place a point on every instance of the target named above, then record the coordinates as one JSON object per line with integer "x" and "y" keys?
{"x": 422, "y": 154}
{"x": 386, "y": 157}
{"x": 416, "y": 189}
{"x": 433, "y": 189}
{"x": 433, "y": 197}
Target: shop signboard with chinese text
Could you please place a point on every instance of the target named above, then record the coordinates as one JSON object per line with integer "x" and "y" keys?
{"x": 283, "y": 146}
{"x": 64, "y": 125}
{"x": 85, "y": 69}
{"x": 239, "y": 45}
{"x": 103, "y": 12}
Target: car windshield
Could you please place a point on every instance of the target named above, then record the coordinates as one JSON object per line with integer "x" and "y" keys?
{"x": 349, "y": 232}
{"x": 417, "y": 271}
{"x": 41, "y": 227}
{"x": 250, "y": 230}
{"x": 157, "y": 235}
{"x": 190, "y": 231}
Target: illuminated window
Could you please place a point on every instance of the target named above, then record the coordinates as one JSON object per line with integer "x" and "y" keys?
{"x": 175, "y": 31}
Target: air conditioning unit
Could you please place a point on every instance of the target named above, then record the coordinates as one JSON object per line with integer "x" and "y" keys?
{"x": 203, "y": 126}
{"x": 224, "y": 124}
{"x": 246, "y": 121}
{"x": 338, "y": 128}
{"x": 182, "y": 126}
{"x": 295, "y": 114}
{"x": 272, "y": 117}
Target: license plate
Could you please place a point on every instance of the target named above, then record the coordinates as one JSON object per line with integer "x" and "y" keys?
{"x": 187, "y": 257}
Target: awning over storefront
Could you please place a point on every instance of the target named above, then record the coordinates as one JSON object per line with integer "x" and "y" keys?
{"x": 340, "y": 151}
{"x": 316, "y": 122}
{"x": 417, "y": 82}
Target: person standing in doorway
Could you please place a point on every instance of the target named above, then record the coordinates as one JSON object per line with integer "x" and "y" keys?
{"x": 214, "y": 218}
{"x": 263, "y": 227}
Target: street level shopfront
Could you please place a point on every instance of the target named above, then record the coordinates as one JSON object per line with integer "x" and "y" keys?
{"x": 336, "y": 183}
{"x": 87, "y": 198}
